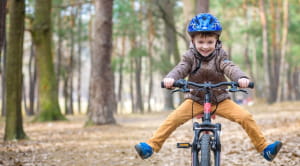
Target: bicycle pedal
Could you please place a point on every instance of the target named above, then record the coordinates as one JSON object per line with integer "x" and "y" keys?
{"x": 184, "y": 145}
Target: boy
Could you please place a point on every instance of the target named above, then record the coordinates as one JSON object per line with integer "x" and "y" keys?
{"x": 206, "y": 61}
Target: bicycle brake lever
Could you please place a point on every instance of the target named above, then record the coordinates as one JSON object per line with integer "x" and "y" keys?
{"x": 232, "y": 90}
{"x": 176, "y": 90}
{"x": 241, "y": 90}
{"x": 237, "y": 90}
{"x": 184, "y": 90}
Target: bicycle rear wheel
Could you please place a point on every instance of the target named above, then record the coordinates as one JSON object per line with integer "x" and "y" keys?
{"x": 205, "y": 150}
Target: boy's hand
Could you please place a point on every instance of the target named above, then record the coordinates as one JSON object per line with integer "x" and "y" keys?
{"x": 243, "y": 82}
{"x": 168, "y": 82}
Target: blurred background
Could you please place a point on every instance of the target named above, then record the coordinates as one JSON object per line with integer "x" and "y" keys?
{"x": 99, "y": 62}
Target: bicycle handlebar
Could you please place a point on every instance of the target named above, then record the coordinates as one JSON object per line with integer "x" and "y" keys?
{"x": 183, "y": 83}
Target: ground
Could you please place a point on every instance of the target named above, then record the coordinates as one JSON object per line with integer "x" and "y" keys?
{"x": 69, "y": 143}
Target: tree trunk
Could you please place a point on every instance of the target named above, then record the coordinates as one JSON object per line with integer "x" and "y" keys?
{"x": 79, "y": 62}
{"x": 138, "y": 84}
{"x": 102, "y": 101}
{"x": 66, "y": 93}
{"x": 132, "y": 88}
{"x": 2, "y": 24}
{"x": 247, "y": 40}
{"x": 296, "y": 82}
{"x": 24, "y": 100}
{"x": 150, "y": 36}
{"x": 58, "y": 59}
{"x": 282, "y": 69}
{"x": 48, "y": 90}
{"x": 167, "y": 10}
{"x": 32, "y": 80}
{"x": 274, "y": 57}
{"x": 2, "y": 52}
{"x": 202, "y": 6}
{"x": 70, "y": 111}
{"x": 3, "y": 80}
{"x": 14, "y": 123}
{"x": 172, "y": 53}
{"x": 263, "y": 20}
{"x": 121, "y": 64}
{"x": 59, "y": 47}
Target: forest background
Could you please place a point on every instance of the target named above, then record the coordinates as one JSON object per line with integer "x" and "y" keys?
{"x": 102, "y": 59}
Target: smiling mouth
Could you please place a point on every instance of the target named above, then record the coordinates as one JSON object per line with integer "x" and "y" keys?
{"x": 205, "y": 52}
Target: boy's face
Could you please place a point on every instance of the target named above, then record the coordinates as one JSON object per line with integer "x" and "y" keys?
{"x": 205, "y": 44}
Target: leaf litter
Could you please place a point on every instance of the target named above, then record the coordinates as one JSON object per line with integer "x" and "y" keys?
{"x": 69, "y": 143}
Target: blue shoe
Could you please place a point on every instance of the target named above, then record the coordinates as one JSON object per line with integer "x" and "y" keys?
{"x": 144, "y": 150}
{"x": 271, "y": 150}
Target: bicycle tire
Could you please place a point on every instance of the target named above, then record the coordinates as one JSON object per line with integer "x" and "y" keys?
{"x": 205, "y": 150}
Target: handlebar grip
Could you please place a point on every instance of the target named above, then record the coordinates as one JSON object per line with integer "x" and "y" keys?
{"x": 162, "y": 85}
{"x": 178, "y": 83}
{"x": 251, "y": 85}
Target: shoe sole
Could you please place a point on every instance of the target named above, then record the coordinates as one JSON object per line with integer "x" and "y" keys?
{"x": 138, "y": 151}
{"x": 277, "y": 149}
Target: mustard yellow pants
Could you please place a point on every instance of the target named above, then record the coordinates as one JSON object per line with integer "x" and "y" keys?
{"x": 227, "y": 109}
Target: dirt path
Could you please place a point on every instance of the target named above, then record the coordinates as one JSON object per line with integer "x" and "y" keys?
{"x": 70, "y": 144}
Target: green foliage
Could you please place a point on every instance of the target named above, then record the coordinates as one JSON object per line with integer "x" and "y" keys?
{"x": 126, "y": 61}
{"x": 125, "y": 19}
{"x": 164, "y": 64}
{"x": 294, "y": 22}
{"x": 116, "y": 61}
{"x": 293, "y": 56}
{"x": 259, "y": 51}
{"x": 138, "y": 52}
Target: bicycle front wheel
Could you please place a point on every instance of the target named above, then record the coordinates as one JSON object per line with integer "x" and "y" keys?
{"x": 205, "y": 150}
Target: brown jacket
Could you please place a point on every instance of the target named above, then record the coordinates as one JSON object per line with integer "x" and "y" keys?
{"x": 212, "y": 69}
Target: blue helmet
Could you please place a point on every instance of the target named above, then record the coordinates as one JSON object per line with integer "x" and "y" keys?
{"x": 204, "y": 22}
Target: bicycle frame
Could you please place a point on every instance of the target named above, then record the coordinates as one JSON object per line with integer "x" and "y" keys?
{"x": 205, "y": 133}
{"x": 206, "y": 127}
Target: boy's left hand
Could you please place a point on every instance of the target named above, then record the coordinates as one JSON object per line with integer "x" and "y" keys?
{"x": 243, "y": 82}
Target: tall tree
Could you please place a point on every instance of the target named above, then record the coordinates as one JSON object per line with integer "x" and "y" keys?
{"x": 14, "y": 124}
{"x": 102, "y": 102}
{"x": 136, "y": 54}
{"x": 247, "y": 40}
{"x": 263, "y": 20}
{"x": 150, "y": 36}
{"x": 2, "y": 23}
{"x": 2, "y": 50}
{"x": 171, "y": 55}
{"x": 283, "y": 69}
{"x": 70, "y": 72}
{"x": 79, "y": 33}
{"x": 32, "y": 80}
{"x": 47, "y": 83}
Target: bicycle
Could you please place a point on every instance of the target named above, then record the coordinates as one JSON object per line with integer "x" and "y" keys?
{"x": 206, "y": 134}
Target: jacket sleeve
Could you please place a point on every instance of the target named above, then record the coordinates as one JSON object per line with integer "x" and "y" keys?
{"x": 232, "y": 71}
{"x": 182, "y": 69}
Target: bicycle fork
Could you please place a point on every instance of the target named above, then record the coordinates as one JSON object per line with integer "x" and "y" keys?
{"x": 215, "y": 144}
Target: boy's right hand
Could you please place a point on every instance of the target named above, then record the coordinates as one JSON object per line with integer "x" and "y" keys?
{"x": 168, "y": 82}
